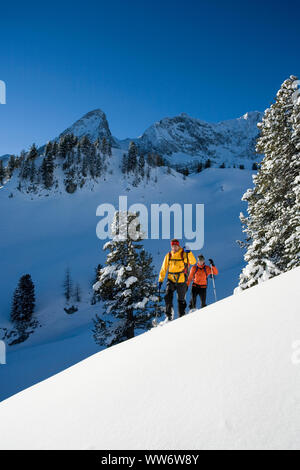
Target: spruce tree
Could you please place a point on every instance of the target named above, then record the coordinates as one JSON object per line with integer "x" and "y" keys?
{"x": 62, "y": 148}
{"x": 141, "y": 165}
{"x": 2, "y": 173}
{"x": 55, "y": 148}
{"x": 124, "y": 167}
{"x": 69, "y": 181}
{"x": 11, "y": 165}
{"x": 49, "y": 149}
{"x": 33, "y": 153}
{"x": 98, "y": 163}
{"x": 16, "y": 309}
{"x": 199, "y": 167}
{"x": 77, "y": 293}
{"x": 92, "y": 161}
{"x": 68, "y": 285}
{"x": 22, "y": 155}
{"x": 207, "y": 163}
{"x": 96, "y": 295}
{"x": 84, "y": 166}
{"x": 32, "y": 173}
{"x": 132, "y": 157}
{"x": 85, "y": 145}
{"x": 292, "y": 215}
{"x": 47, "y": 169}
{"x": 272, "y": 225}
{"x": 23, "y": 306}
{"x": 126, "y": 284}
{"x": 25, "y": 169}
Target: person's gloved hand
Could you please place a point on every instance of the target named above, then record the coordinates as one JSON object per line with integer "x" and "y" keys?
{"x": 211, "y": 262}
{"x": 159, "y": 284}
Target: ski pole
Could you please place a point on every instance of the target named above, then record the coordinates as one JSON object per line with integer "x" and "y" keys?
{"x": 156, "y": 308}
{"x": 213, "y": 279}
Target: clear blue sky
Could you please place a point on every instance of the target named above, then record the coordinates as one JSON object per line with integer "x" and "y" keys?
{"x": 139, "y": 61}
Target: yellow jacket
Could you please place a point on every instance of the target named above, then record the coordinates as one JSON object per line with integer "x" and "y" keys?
{"x": 176, "y": 266}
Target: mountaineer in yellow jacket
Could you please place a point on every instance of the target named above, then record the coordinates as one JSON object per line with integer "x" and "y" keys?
{"x": 176, "y": 263}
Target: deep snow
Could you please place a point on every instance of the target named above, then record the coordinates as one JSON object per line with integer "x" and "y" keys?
{"x": 226, "y": 377}
{"x": 44, "y": 235}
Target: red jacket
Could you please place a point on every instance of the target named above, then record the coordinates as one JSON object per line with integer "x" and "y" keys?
{"x": 199, "y": 274}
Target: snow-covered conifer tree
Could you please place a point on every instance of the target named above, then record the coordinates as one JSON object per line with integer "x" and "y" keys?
{"x": 77, "y": 293}
{"x": 33, "y": 153}
{"x": 68, "y": 285}
{"x": 49, "y": 149}
{"x": 292, "y": 242}
{"x": 272, "y": 225}
{"x": 141, "y": 165}
{"x": 47, "y": 169}
{"x": 23, "y": 308}
{"x": 2, "y": 172}
{"x": 132, "y": 158}
{"x": 126, "y": 284}
{"x": 124, "y": 167}
{"x": 12, "y": 164}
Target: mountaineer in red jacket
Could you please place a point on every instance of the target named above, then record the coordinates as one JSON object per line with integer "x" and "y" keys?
{"x": 198, "y": 276}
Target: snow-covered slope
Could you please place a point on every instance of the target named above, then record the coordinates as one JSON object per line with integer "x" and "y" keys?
{"x": 46, "y": 231}
{"x": 42, "y": 236}
{"x": 93, "y": 124}
{"x": 226, "y": 377}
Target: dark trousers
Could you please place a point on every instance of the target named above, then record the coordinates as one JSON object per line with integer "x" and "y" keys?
{"x": 201, "y": 291}
{"x": 181, "y": 289}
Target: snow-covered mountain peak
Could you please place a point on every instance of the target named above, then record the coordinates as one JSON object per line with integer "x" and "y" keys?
{"x": 94, "y": 125}
{"x": 230, "y": 141}
{"x": 183, "y": 139}
{"x": 185, "y": 115}
{"x": 252, "y": 115}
